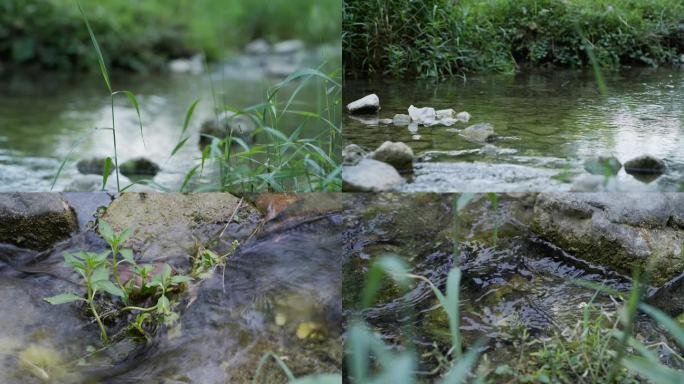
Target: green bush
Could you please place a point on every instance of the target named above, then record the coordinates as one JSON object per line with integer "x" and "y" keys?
{"x": 144, "y": 35}
{"x": 438, "y": 38}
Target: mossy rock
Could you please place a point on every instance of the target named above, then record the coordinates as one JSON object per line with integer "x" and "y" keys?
{"x": 139, "y": 167}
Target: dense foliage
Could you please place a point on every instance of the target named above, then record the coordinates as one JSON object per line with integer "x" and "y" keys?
{"x": 142, "y": 35}
{"x": 438, "y": 38}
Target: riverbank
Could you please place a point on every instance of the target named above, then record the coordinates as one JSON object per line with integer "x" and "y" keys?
{"x": 50, "y": 34}
{"x": 445, "y": 38}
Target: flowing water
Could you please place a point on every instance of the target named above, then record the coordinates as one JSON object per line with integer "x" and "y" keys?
{"x": 547, "y": 124}
{"x": 512, "y": 280}
{"x": 284, "y": 279}
{"x": 46, "y": 116}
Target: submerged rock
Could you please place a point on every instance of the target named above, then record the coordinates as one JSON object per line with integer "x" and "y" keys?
{"x": 398, "y": 155}
{"x": 636, "y": 230}
{"x": 602, "y": 165}
{"x": 139, "y": 167}
{"x": 480, "y": 133}
{"x": 92, "y": 166}
{"x": 35, "y": 220}
{"x": 445, "y": 114}
{"x": 352, "y": 154}
{"x": 228, "y": 123}
{"x": 669, "y": 297}
{"x": 401, "y": 120}
{"x": 370, "y": 176}
{"x": 645, "y": 164}
{"x": 367, "y": 104}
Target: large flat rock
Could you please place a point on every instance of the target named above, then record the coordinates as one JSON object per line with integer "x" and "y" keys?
{"x": 619, "y": 231}
{"x": 168, "y": 227}
{"x": 35, "y": 220}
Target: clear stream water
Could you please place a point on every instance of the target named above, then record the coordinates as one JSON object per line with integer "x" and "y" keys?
{"x": 290, "y": 270}
{"x": 45, "y": 116}
{"x": 548, "y": 123}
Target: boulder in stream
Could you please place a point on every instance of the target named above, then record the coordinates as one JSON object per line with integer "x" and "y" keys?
{"x": 481, "y": 133}
{"x": 92, "y": 166}
{"x": 401, "y": 120}
{"x": 645, "y": 164}
{"x": 637, "y": 230}
{"x": 226, "y": 124}
{"x": 352, "y": 154}
{"x": 398, "y": 155}
{"x": 602, "y": 165}
{"x": 139, "y": 166}
{"x": 167, "y": 227}
{"x": 463, "y": 117}
{"x": 370, "y": 176}
{"x": 365, "y": 105}
{"x": 35, "y": 220}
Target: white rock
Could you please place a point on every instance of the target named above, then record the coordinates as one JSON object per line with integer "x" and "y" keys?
{"x": 401, "y": 119}
{"x": 386, "y": 121}
{"x": 258, "y": 47}
{"x": 193, "y": 65}
{"x": 288, "y": 47}
{"x": 425, "y": 116}
{"x": 398, "y": 155}
{"x": 370, "y": 176}
{"x": 463, "y": 117}
{"x": 367, "y": 104}
{"x": 445, "y": 114}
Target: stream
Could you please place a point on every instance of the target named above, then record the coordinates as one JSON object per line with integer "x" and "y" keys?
{"x": 547, "y": 124}
{"x": 46, "y": 117}
{"x": 285, "y": 277}
{"x": 513, "y": 281}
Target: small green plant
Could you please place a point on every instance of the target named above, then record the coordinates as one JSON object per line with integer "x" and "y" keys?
{"x": 94, "y": 268}
{"x": 144, "y": 285}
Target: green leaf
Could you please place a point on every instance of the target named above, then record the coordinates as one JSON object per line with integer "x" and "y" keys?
{"x": 105, "y": 172}
{"x": 134, "y": 102}
{"x": 100, "y": 58}
{"x": 166, "y": 273}
{"x": 109, "y": 287}
{"x": 179, "y": 146}
{"x": 319, "y": 379}
{"x": 163, "y": 304}
{"x": 106, "y": 231}
{"x": 125, "y": 235}
{"x": 178, "y": 279}
{"x": 73, "y": 261}
{"x": 100, "y": 274}
{"x": 188, "y": 176}
{"x": 63, "y": 298}
{"x": 188, "y": 116}
{"x": 674, "y": 329}
{"x": 127, "y": 254}
{"x": 657, "y": 373}
{"x": 458, "y": 373}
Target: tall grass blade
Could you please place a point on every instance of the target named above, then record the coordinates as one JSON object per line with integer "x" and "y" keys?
{"x": 100, "y": 58}
{"x": 106, "y": 171}
{"x": 134, "y": 102}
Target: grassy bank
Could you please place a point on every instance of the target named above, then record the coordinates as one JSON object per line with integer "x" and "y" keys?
{"x": 144, "y": 35}
{"x": 441, "y": 38}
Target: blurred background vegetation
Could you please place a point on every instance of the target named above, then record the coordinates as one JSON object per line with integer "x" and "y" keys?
{"x": 144, "y": 35}
{"x": 441, "y": 38}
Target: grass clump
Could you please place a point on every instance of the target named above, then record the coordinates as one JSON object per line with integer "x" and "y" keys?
{"x": 443, "y": 38}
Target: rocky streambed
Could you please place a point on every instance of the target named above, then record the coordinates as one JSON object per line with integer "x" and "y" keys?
{"x": 521, "y": 257}
{"x": 279, "y": 292}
